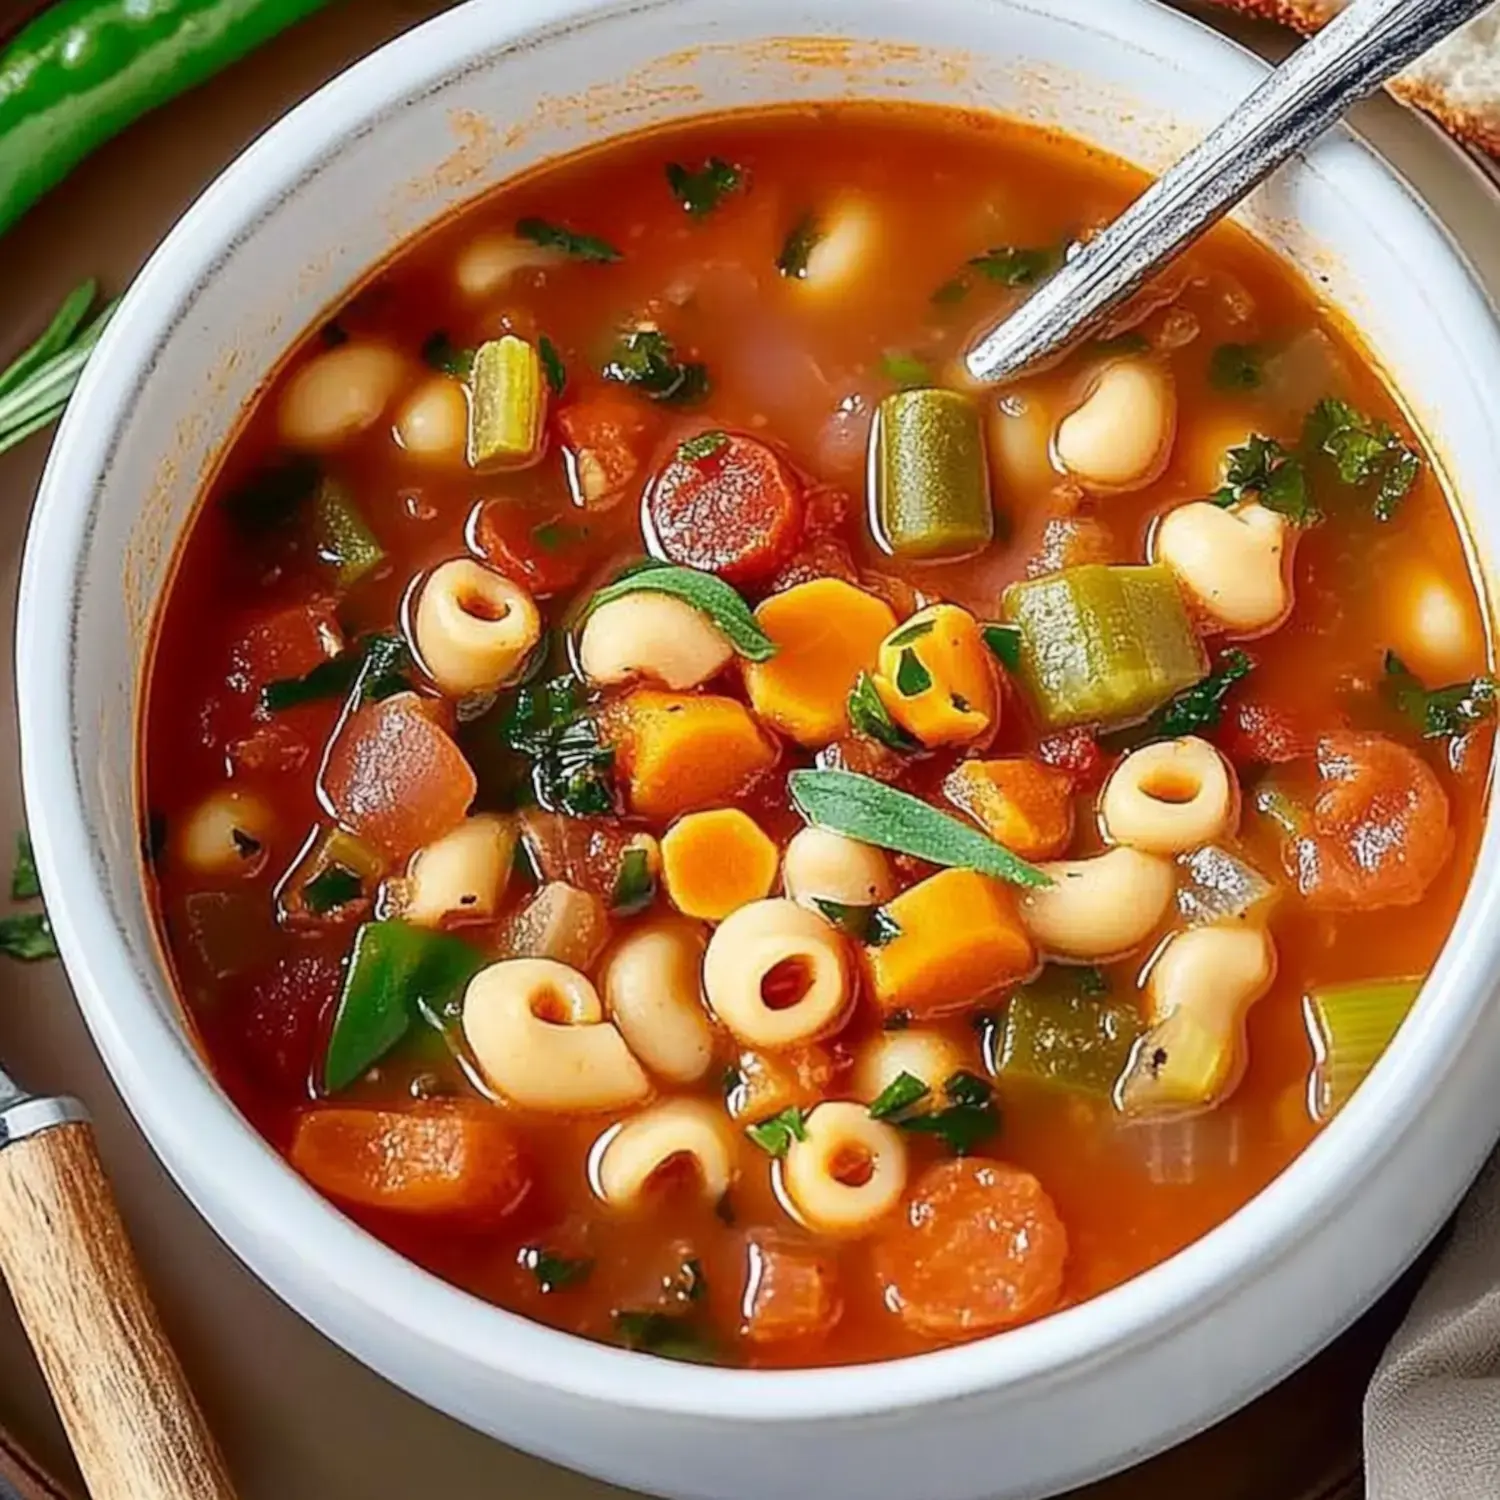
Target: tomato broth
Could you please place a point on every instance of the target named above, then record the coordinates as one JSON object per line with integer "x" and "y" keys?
{"x": 676, "y": 345}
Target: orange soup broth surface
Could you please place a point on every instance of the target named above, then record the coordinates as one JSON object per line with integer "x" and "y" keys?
{"x": 805, "y": 371}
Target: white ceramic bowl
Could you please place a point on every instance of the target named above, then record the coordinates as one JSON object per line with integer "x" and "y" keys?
{"x": 425, "y": 124}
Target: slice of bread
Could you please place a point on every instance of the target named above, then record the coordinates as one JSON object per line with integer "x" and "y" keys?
{"x": 1457, "y": 82}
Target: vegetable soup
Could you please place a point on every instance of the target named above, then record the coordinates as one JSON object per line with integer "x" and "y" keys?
{"x": 699, "y": 827}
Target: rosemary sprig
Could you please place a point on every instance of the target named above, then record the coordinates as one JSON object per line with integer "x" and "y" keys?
{"x": 35, "y": 387}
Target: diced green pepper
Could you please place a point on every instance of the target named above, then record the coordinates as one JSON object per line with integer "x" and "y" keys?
{"x": 1352, "y": 1024}
{"x": 314, "y": 890}
{"x": 1102, "y": 644}
{"x": 1053, "y": 1034}
{"x": 932, "y": 487}
{"x": 342, "y": 536}
{"x": 395, "y": 972}
{"x": 507, "y": 404}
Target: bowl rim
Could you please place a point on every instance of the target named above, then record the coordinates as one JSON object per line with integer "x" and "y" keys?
{"x": 337, "y": 1275}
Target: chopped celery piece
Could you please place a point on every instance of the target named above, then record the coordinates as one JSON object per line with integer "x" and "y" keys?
{"x": 930, "y": 475}
{"x": 1351, "y": 1025}
{"x": 1218, "y": 886}
{"x": 394, "y": 969}
{"x": 507, "y": 404}
{"x": 1103, "y": 644}
{"x": 1054, "y": 1034}
{"x": 1181, "y": 1064}
{"x": 341, "y": 534}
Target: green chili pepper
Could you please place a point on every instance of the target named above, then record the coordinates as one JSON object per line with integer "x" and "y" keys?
{"x": 85, "y": 69}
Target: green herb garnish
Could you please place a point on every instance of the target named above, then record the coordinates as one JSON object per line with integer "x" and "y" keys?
{"x": 1194, "y": 710}
{"x": 775, "y": 1135}
{"x": 702, "y": 191}
{"x": 442, "y": 354}
{"x": 871, "y": 925}
{"x": 1438, "y": 713}
{"x": 707, "y": 594}
{"x": 909, "y": 635}
{"x": 869, "y": 716}
{"x": 380, "y": 664}
{"x": 553, "y": 536}
{"x": 554, "y": 1272}
{"x": 331, "y": 888}
{"x": 798, "y": 247}
{"x": 951, "y": 292}
{"x": 911, "y": 676}
{"x": 273, "y": 495}
{"x": 645, "y": 360}
{"x": 24, "y": 883}
{"x": 1015, "y": 265}
{"x": 554, "y": 237}
{"x": 668, "y": 1335}
{"x": 1004, "y": 642}
{"x": 969, "y": 1120}
{"x": 27, "y": 936}
{"x": 635, "y": 885}
{"x": 1236, "y": 367}
{"x": 862, "y": 808}
{"x": 705, "y": 445}
{"x": 906, "y": 370}
{"x": 1261, "y": 469}
{"x": 1364, "y": 451}
{"x": 903, "y": 1091}
{"x": 552, "y": 365}
{"x": 571, "y": 769}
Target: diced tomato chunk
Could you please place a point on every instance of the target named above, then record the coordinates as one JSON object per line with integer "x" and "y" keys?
{"x": 980, "y": 1247}
{"x": 447, "y": 1159}
{"x": 289, "y": 643}
{"x": 607, "y": 437}
{"x": 736, "y": 511}
{"x": 277, "y": 747}
{"x": 545, "y": 557}
{"x": 1076, "y": 752}
{"x": 825, "y": 509}
{"x": 395, "y": 778}
{"x": 1265, "y": 734}
{"x": 586, "y": 853}
{"x": 791, "y": 1291}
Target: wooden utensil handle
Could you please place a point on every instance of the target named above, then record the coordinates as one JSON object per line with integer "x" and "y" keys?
{"x": 135, "y": 1428}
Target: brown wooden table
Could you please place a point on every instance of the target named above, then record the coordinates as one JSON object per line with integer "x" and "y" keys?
{"x": 299, "y": 1419}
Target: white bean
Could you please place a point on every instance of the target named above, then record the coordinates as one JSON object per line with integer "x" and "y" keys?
{"x": 930, "y": 1056}
{"x": 1099, "y": 908}
{"x": 488, "y": 261}
{"x": 652, "y": 989}
{"x": 432, "y": 424}
{"x": 474, "y": 627}
{"x": 823, "y": 866}
{"x": 338, "y": 394}
{"x": 637, "y": 1151}
{"x": 460, "y": 878}
{"x": 1170, "y": 797}
{"x": 1120, "y": 437}
{"x": 1236, "y": 563}
{"x": 848, "y": 1172}
{"x": 226, "y": 834}
{"x": 655, "y": 636}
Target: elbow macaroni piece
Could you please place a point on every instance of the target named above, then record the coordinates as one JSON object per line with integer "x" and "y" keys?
{"x": 632, "y": 1154}
{"x": 1170, "y": 797}
{"x": 577, "y": 1063}
{"x": 847, "y": 1173}
{"x": 654, "y": 636}
{"x": 823, "y": 866}
{"x": 474, "y": 627}
{"x": 1120, "y": 437}
{"x": 776, "y": 944}
{"x": 460, "y": 878}
{"x": 1099, "y": 908}
{"x": 652, "y": 990}
{"x": 1235, "y": 564}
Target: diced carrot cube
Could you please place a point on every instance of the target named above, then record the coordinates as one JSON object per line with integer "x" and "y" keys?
{"x": 677, "y": 752}
{"x": 791, "y": 1291}
{"x": 960, "y": 938}
{"x": 826, "y": 632}
{"x": 1022, "y": 804}
{"x": 395, "y": 778}
{"x": 713, "y": 863}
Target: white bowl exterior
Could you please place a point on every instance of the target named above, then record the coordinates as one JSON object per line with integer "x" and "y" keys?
{"x": 421, "y": 127}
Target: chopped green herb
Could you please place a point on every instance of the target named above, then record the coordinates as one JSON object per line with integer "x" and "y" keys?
{"x": 1236, "y": 367}
{"x": 1014, "y": 265}
{"x": 1004, "y": 642}
{"x": 1194, "y": 709}
{"x": 1365, "y": 452}
{"x": 798, "y": 247}
{"x": 645, "y": 360}
{"x": 273, "y": 495}
{"x": 906, "y": 370}
{"x": 27, "y": 936}
{"x": 552, "y": 365}
{"x": 909, "y": 635}
{"x": 24, "y": 884}
{"x": 866, "y": 924}
{"x": 707, "y": 594}
{"x": 903, "y": 1091}
{"x": 705, "y": 445}
{"x": 775, "y": 1135}
{"x": 702, "y": 191}
{"x": 951, "y": 292}
{"x": 969, "y": 1120}
{"x": 862, "y": 808}
{"x": 1261, "y": 469}
{"x": 571, "y": 770}
{"x": 870, "y": 717}
{"x": 554, "y": 237}
{"x": 635, "y": 885}
{"x": 555, "y": 1272}
{"x": 553, "y": 536}
{"x": 334, "y": 887}
{"x": 380, "y": 665}
{"x": 669, "y": 1335}
{"x": 1438, "y": 713}
{"x": 911, "y": 676}
{"x": 442, "y": 354}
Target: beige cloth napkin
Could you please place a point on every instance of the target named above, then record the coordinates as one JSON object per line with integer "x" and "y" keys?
{"x": 1432, "y": 1414}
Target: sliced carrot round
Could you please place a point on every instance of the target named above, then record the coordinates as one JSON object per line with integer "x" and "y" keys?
{"x": 735, "y": 509}
{"x": 979, "y": 1248}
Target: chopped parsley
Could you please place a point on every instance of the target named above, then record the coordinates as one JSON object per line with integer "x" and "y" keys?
{"x": 553, "y": 536}
{"x": 331, "y": 888}
{"x": 24, "y": 884}
{"x": 775, "y": 1135}
{"x": 1016, "y": 265}
{"x": 1261, "y": 469}
{"x": 645, "y": 360}
{"x": 274, "y": 494}
{"x": 635, "y": 885}
{"x": 555, "y": 237}
{"x": 380, "y": 664}
{"x": 702, "y": 191}
{"x": 1236, "y": 367}
{"x": 903, "y": 1091}
{"x": 1437, "y": 713}
{"x": 669, "y": 1335}
{"x": 798, "y": 247}
{"x": 951, "y": 292}
{"x": 871, "y": 925}
{"x": 870, "y": 717}
{"x": 1004, "y": 642}
{"x": 705, "y": 445}
{"x": 572, "y": 771}
{"x": 969, "y": 1119}
{"x": 911, "y": 676}
{"x": 442, "y": 354}
{"x": 27, "y": 936}
{"x": 906, "y": 370}
{"x": 1366, "y": 452}
{"x": 552, "y": 365}
{"x": 555, "y": 1272}
{"x": 909, "y": 635}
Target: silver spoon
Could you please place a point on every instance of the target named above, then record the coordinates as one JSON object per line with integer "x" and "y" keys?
{"x": 1348, "y": 59}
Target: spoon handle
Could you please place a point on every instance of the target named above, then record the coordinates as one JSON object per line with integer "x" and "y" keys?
{"x": 1350, "y": 58}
